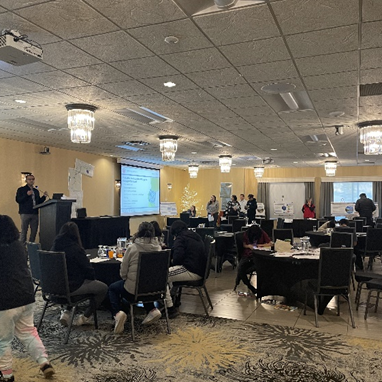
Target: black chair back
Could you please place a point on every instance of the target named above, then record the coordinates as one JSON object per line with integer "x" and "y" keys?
{"x": 379, "y": 220}
{"x": 54, "y": 275}
{"x": 209, "y": 248}
{"x": 358, "y": 225}
{"x": 171, "y": 220}
{"x": 280, "y": 223}
{"x": 373, "y": 240}
{"x": 346, "y": 229}
{"x": 282, "y": 234}
{"x": 335, "y": 268}
{"x": 231, "y": 218}
{"x": 34, "y": 260}
{"x": 267, "y": 226}
{"x": 185, "y": 217}
{"x": 351, "y": 223}
{"x": 341, "y": 239}
{"x": 202, "y": 232}
{"x": 152, "y": 274}
{"x": 239, "y": 241}
{"x": 378, "y": 225}
{"x": 237, "y": 224}
{"x": 330, "y": 217}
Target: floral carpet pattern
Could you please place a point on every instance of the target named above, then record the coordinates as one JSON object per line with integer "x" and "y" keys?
{"x": 202, "y": 349}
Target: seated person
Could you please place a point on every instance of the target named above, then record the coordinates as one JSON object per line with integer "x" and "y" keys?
{"x": 253, "y": 238}
{"x": 188, "y": 259}
{"x": 233, "y": 207}
{"x": 326, "y": 225}
{"x": 81, "y": 274}
{"x": 192, "y": 211}
{"x": 344, "y": 223}
{"x": 143, "y": 241}
{"x": 158, "y": 234}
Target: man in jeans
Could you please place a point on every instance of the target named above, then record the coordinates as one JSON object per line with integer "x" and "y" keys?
{"x": 27, "y": 197}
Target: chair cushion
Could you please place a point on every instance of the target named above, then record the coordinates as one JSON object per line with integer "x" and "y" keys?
{"x": 362, "y": 276}
{"x": 374, "y": 284}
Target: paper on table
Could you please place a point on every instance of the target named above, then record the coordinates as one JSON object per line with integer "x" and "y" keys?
{"x": 312, "y": 257}
{"x": 99, "y": 259}
{"x": 282, "y": 254}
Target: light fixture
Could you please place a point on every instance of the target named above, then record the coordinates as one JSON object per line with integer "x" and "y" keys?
{"x": 81, "y": 122}
{"x": 371, "y": 137}
{"x": 225, "y": 163}
{"x": 169, "y": 84}
{"x": 193, "y": 170}
{"x": 273, "y": 149}
{"x": 258, "y": 171}
{"x": 171, "y": 40}
{"x": 168, "y": 145}
{"x": 339, "y": 129}
{"x": 118, "y": 184}
{"x": 20, "y": 101}
{"x": 169, "y": 186}
{"x": 330, "y": 168}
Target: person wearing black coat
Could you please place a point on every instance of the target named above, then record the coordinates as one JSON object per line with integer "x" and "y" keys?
{"x": 365, "y": 207}
{"x": 16, "y": 303}
{"x": 81, "y": 274}
{"x": 251, "y": 208}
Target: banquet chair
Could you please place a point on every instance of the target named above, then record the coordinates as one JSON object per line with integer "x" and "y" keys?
{"x": 334, "y": 272}
{"x": 237, "y": 224}
{"x": 55, "y": 287}
{"x": 203, "y": 232}
{"x": 374, "y": 285}
{"x": 282, "y": 234}
{"x": 151, "y": 283}
{"x": 341, "y": 239}
{"x": 363, "y": 277}
{"x": 34, "y": 263}
{"x": 373, "y": 246}
{"x": 200, "y": 285}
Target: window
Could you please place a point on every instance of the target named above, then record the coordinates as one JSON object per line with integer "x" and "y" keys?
{"x": 348, "y": 192}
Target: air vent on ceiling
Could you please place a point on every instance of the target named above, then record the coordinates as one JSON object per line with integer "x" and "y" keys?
{"x": 370, "y": 89}
{"x": 219, "y": 144}
{"x": 144, "y": 115}
{"x": 137, "y": 143}
{"x": 208, "y": 162}
{"x": 249, "y": 158}
{"x": 320, "y": 139}
{"x": 268, "y": 161}
{"x": 128, "y": 147}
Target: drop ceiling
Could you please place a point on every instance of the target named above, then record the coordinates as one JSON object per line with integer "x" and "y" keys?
{"x": 112, "y": 54}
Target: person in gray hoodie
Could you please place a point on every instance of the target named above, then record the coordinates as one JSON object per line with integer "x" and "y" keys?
{"x": 144, "y": 241}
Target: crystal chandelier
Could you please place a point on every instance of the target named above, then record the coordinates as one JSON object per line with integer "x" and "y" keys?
{"x": 225, "y": 163}
{"x": 330, "y": 168}
{"x": 258, "y": 171}
{"x": 371, "y": 137}
{"x": 193, "y": 170}
{"x": 81, "y": 122}
{"x": 168, "y": 145}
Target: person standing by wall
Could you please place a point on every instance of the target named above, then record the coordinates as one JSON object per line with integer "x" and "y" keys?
{"x": 27, "y": 197}
{"x": 233, "y": 207}
{"x": 308, "y": 209}
{"x": 251, "y": 208}
{"x": 213, "y": 210}
{"x": 243, "y": 204}
{"x": 365, "y": 207}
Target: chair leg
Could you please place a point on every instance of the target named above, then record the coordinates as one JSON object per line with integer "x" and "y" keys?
{"x": 350, "y": 311}
{"x": 166, "y": 312}
{"x": 352, "y": 280}
{"x": 95, "y": 314}
{"x": 42, "y": 315}
{"x": 376, "y": 302}
{"x": 305, "y": 302}
{"x": 132, "y": 321}
{"x": 70, "y": 324}
{"x": 316, "y": 310}
{"x": 338, "y": 305}
{"x": 358, "y": 295}
{"x": 208, "y": 297}
{"x": 367, "y": 303}
{"x": 202, "y": 298}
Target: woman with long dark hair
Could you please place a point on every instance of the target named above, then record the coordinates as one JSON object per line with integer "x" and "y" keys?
{"x": 81, "y": 274}
{"x": 16, "y": 303}
{"x": 213, "y": 210}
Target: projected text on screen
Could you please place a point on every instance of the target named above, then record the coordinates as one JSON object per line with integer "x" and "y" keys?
{"x": 139, "y": 191}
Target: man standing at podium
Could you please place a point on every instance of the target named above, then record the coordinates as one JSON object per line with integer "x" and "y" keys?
{"x": 28, "y": 197}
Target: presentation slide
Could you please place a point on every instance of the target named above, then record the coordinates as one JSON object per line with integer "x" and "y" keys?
{"x": 139, "y": 191}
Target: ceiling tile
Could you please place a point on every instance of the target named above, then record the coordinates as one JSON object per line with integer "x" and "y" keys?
{"x": 63, "y": 55}
{"x": 294, "y": 81}
{"x": 371, "y": 10}
{"x": 370, "y": 76}
{"x": 89, "y": 93}
{"x": 5, "y": 74}
{"x": 10, "y": 20}
{"x": 371, "y": 58}
{"x": 327, "y": 81}
{"x": 146, "y": 67}
{"x": 16, "y": 85}
{"x": 55, "y": 80}
{"x": 252, "y": 101}
{"x": 220, "y": 77}
{"x": 98, "y": 74}
{"x": 57, "y": 17}
{"x": 36, "y": 67}
{"x": 135, "y": 13}
{"x": 182, "y": 83}
{"x": 270, "y": 71}
{"x": 2, "y": 10}
{"x": 197, "y": 60}
{"x": 371, "y": 35}
{"x": 190, "y": 97}
{"x": 127, "y": 88}
{"x": 44, "y": 98}
{"x": 111, "y": 47}
{"x": 235, "y": 91}
{"x": 231, "y": 27}
{"x": 331, "y": 63}
{"x": 296, "y": 16}
{"x": 254, "y": 52}
{"x": 324, "y": 41}
{"x": 15, "y": 4}
{"x": 190, "y": 37}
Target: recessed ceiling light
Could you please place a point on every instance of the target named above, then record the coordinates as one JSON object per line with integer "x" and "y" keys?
{"x": 193, "y": 152}
{"x": 169, "y": 84}
{"x": 20, "y": 101}
{"x": 171, "y": 40}
{"x": 295, "y": 162}
{"x": 367, "y": 160}
{"x": 273, "y": 149}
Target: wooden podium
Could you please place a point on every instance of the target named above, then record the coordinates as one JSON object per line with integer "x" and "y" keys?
{"x": 53, "y": 215}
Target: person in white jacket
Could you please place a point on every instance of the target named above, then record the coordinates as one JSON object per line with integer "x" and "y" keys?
{"x": 144, "y": 241}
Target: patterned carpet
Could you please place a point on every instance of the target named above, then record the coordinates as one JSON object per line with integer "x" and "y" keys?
{"x": 202, "y": 349}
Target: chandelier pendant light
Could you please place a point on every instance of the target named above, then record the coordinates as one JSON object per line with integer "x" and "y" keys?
{"x": 330, "y": 168}
{"x": 168, "y": 144}
{"x": 193, "y": 170}
{"x": 258, "y": 171}
{"x": 225, "y": 163}
{"x": 371, "y": 137}
{"x": 81, "y": 122}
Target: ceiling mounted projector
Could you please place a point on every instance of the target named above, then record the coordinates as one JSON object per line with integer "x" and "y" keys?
{"x": 17, "y": 50}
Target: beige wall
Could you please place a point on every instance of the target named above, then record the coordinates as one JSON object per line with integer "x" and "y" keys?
{"x": 51, "y": 172}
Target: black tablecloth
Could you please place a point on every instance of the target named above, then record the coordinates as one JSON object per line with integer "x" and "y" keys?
{"x": 96, "y": 231}
{"x": 317, "y": 238}
{"x": 106, "y": 271}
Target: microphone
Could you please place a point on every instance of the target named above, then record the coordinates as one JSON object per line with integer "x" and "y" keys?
{"x": 36, "y": 187}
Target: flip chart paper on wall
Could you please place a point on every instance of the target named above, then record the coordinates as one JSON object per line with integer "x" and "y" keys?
{"x": 84, "y": 168}
{"x": 283, "y": 208}
{"x": 168, "y": 209}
